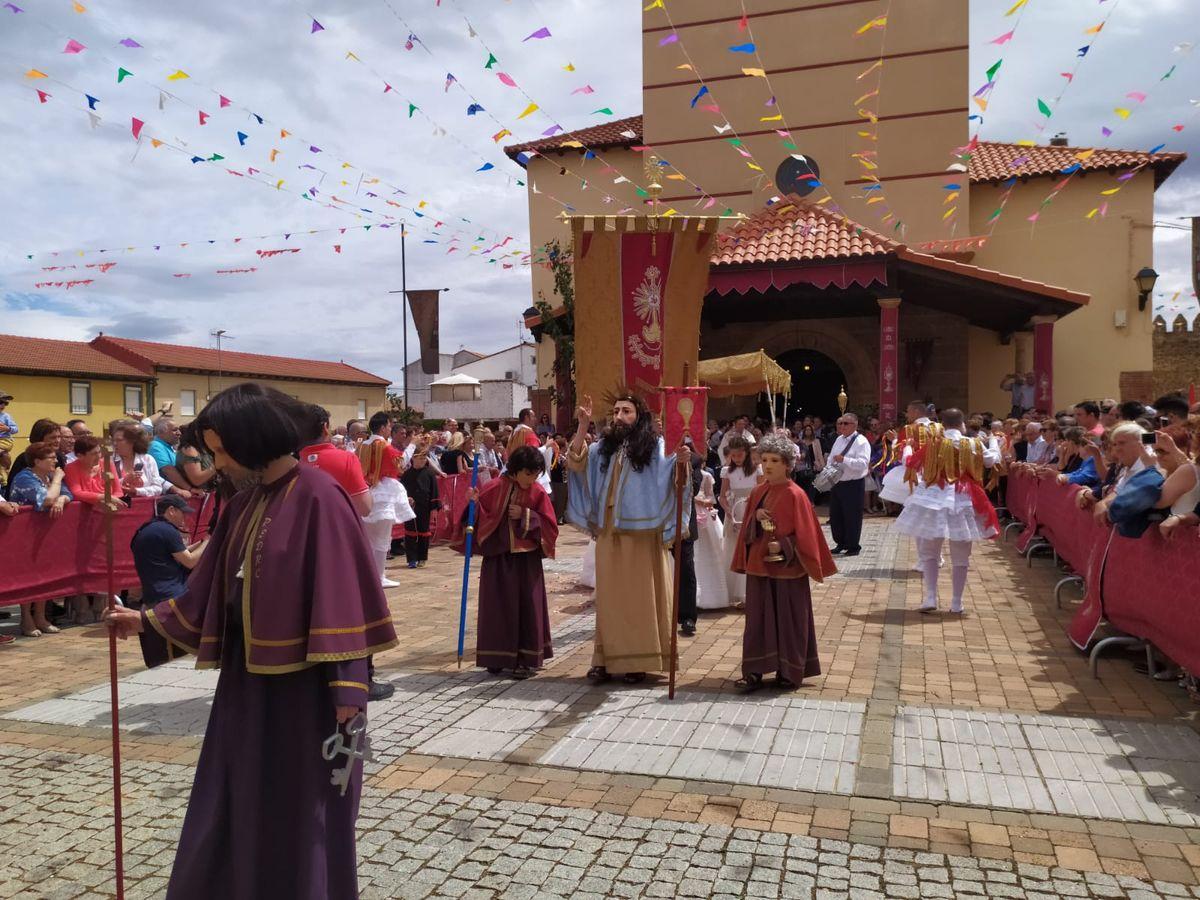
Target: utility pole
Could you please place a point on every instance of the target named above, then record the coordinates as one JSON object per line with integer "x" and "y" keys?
{"x": 403, "y": 292}
{"x": 219, "y": 334}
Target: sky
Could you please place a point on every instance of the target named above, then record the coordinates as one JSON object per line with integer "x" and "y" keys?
{"x": 79, "y": 182}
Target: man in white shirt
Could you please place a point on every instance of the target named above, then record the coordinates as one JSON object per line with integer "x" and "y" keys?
{"x": 853, "y": 452}
{"x": 1039, "y": 451}
{"x": 740, "y": 428}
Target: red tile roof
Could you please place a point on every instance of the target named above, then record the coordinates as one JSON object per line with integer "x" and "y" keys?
{"x": 991, "y": 161}
{"x": 795, "y": 231}
{"x": 806, "y": 233}
{"x": 232, "y": 362}
{"x": 47, "y": 356}
{"x": 617, "y": 133}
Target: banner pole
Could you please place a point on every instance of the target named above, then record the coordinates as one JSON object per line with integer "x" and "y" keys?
{"x": 111, "y": 603}
{"x": 681, "y": 474}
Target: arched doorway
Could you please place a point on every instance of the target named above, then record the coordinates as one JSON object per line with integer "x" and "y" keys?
{"x": 816, "y": 381}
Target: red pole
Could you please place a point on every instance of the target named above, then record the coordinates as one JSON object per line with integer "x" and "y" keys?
{"x": 112, "y": 672}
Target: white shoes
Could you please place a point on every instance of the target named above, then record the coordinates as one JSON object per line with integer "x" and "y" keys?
{"x": 928, "y": 606}
{"x": 388, "y": 583}
{"x": 956, "y": 606}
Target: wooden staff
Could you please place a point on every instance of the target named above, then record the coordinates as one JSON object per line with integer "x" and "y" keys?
{"x": 111, "y": 603}
{"x": 681, "y": 479}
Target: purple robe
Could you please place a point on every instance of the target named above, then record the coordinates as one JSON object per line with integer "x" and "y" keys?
{"x": 286, "y": 602}
{"x": 514, "y": 616}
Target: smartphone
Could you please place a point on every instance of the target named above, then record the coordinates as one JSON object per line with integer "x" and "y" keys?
{"x": 1149, "y": 438}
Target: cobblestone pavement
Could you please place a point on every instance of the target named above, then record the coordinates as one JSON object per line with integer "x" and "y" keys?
{"x": 937, "y": 756}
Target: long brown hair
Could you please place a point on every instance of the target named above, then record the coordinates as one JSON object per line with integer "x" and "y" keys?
{"x": 737, "y": 442}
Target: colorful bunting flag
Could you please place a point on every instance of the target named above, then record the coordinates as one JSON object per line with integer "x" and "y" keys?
{"x": 34, "y": 73}
{"x": 1004, "y": 38}
{"x": 242, "y": 137}
{"x": 177, "y": 75}
{"x": 541, "y": 33}
{"x": 224, "y": 100}
{"x": 203, "y": 117}
{"x": 501, "y": 134}
{"x": 485, "y": 167}
{"x": 505, "y": 78}
{"x": 137, "y": 128}
{"x": 529, "y": 110}
{"x": 1016, "y": 6}
{"x": 755, "y": 73}
{"x": 703, "y": 90}
{"x": 43, "y": 96}
{"x": 669, "y": 39}
{"x": 991, "y": 73}
{"x": 91, "y": 101}
{"x": 586, "y": 89}
{"x": 16, "y": 9}
{"x": 603, "y": 111}
{"x": 73, "y": 46}
{"x": 1043, "y": 108}
{"x": 474, "y": 108}
{"x": 316, "y": 26}
{"x": 491, "y": 61}
{"x": 880, "y": 22}
{"x": 128, "y": 42}
{"x": 742, "y": 48}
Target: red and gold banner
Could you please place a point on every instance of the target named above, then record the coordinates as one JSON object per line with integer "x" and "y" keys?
{"x": 1043, "y": 363}
{"x": 685, "y": 413}
{"x": 645, "y": 267}
{"x": 639, "y": 288}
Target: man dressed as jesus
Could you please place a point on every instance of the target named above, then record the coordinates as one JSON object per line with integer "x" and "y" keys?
{"x": 622, "y": 492}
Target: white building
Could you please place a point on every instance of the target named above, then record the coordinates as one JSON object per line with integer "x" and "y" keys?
{"x": 418, "y": 382}
{"x": 493, "y": 388}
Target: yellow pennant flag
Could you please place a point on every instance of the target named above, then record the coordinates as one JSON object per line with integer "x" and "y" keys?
{"x": 1095, "y": 29}
{"x": 677, "y": 177}
{"x": 34, "y": 73}
{"x": 283, "y": 132}
{"x": 1092, "y": 214}
{"x": 1025, "y": 143}
{"x": 1122, "y": 112}
{"x": 874, "y": 200}
{"x": 350, "y": 55}
{"x": 981, "y": 102}
{"x": 575, "y": 144}
{"x": 757, "y": 73}
{"x": 656, "y": 4}
{"x": 776, "y": 118}
{"x": 1016, "y": 6}
{"x": 279, "y": 184}
{"x": 1110, "y": 191}
{"x": 685, "y": 66}
{"x": 874, "y": 93}
{"x": 274, "y": 153}
{"x": 951, "y": 211}
{"x": 422, "y": 204}
{"x": 500, "y": 135}
{"x": 670, "y": 212}
{"x": 878, "y": 64}
{"x": 155, "y": 142}
{"x": 531, "y": 108}
{"x": 569, "y": 67}
{"x": 824, "y": 199}
{"x": 78, "y": 7}
{"x": 1085, "y": 155}
{"x": 754, "y": 167}
{"x": 874, "y": 23}
{"x": 950, "y": 198}
{"x": 177, "y": 75}
{"x": 347, "y": 166}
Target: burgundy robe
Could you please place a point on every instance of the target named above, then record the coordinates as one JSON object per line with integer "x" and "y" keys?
{"x": 514, "y": 616}
{"x": 780, "y": 635}
{"x": 286, "y": 602}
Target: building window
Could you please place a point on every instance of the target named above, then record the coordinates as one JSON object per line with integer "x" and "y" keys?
{"x": 133, "y": 399}
{"x": 81, "y": 398}
{"x": 362, "y": 409}
{"x": 187, "y": 403}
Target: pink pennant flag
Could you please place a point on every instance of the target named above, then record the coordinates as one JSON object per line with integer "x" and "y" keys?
{"x": 137, "y": 128}
{"x": 1033, "y": 218}
{"x": 43, "y": 96}
{"x": 586, "y": 89}
{"x": 224, "y": 100}
{"x": 203, "y": 116}
{"x": 1136, "y": 95}
{"x": 1067, "y": 75}
{"x": 73, "y": 46}
{"x": 743, "y": 23}
{"x": 505, "y": 78}
{"x": 1004, "y": 38}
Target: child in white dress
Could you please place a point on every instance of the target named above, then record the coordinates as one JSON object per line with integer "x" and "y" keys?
{"x": 711, "y": 590}
{"x": 738, "y": 478}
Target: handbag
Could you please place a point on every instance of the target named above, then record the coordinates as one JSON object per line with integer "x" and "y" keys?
{"x": 828, "y": 477}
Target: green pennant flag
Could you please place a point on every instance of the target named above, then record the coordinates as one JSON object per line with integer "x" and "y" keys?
{"x": 122, "y": 74}
{"x": 996, "y": 214}
{"x": 412, "y": 107}
{"x": 728, "y": 212}
{"x": 603, "y": 110}
{"x": 1043, "y": 108}
{"x": 991, "y": 73}
{"x": 215, "y": 157}
{"x": 366, "y": 228}
{"x": 737, "y": 142}
{"x": 491, "y": 61}
{"x": 790, "y": 146}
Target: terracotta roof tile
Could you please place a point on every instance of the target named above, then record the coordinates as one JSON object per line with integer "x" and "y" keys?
{"x": 991, "y": 161}
{"x": 55, "y": 357}
{"x": 796, "y": 231}
{"x": 617, "y": 133}
{"x": 233, "y": 362}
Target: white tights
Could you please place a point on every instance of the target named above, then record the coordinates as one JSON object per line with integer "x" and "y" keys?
{"x": 929, "y": 552}
{"x": 379, "y": 534}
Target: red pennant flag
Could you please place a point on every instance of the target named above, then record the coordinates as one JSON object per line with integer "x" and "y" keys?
{"x": 203, "y": 117}
{"x": 224, "y": 100}
{"x": 43, "y": 96}
{"x": 137, "y": 128}
{"x": 744, "y": 23}
{"x": 337, "y": 248}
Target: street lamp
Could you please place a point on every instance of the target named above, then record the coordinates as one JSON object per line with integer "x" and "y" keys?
{"x": 1145, "y": 281}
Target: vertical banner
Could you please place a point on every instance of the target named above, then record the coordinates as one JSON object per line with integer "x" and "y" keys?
{"x": 1043, "y": 363}
{"x": 889, "y": 361}
{"x": 645, "y": 268}
{"x": 685, "y": 412}
{"x": 638, "y": 296}
{"x": 424, "y": 306}
{"x": 1196, "y": 254}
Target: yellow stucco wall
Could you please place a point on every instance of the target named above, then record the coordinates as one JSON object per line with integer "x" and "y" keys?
{"x": 921, "y": 101}
{"x": 1098, "y": 256}
{"x": 341, "y": 400}
{"x": 48, "y": 396}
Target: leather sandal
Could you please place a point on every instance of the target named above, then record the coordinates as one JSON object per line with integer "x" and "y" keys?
{"x": 598, "y": 675}
{"x": 748, "y": 684}
{"x": 634, "y": 677}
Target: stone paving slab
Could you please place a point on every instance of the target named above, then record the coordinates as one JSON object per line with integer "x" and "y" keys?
{"x": 1102, "y": 768}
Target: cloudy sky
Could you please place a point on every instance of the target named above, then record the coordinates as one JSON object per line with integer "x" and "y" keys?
{"x": 80, "y": 182}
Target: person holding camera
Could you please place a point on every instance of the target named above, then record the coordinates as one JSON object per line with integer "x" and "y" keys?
{"x": 1023, "y": 389}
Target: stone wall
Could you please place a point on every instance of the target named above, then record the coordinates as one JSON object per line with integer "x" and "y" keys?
{"x": 1176, "y": 355}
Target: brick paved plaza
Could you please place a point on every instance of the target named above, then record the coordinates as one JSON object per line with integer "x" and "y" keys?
{"x": 936, "y": 757}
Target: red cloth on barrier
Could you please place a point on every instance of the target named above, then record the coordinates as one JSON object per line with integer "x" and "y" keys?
{"x": 452, "y": 490}
{"x": 46, "y": 558}
{"x": 1022, "y": 504}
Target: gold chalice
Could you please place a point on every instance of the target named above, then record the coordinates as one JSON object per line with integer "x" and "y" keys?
{"x": 774, "y": 550}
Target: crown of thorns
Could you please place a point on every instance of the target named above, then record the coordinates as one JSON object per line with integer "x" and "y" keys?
{"x": 624, "y": 392}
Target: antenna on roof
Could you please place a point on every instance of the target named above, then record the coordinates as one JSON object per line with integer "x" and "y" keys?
{"x": 219, "y": 334}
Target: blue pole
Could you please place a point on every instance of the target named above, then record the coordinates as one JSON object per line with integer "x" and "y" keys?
{"x": 462, "y": 611}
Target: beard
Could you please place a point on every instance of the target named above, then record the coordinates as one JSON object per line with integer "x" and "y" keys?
{"x": 620, "y": 432}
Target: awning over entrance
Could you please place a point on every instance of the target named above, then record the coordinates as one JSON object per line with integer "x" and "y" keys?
{"x": 744, "y": 374}
{"x": 808, "y": 263}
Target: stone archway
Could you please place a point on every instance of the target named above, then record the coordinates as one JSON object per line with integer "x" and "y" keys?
{"x": 832, "y": 339}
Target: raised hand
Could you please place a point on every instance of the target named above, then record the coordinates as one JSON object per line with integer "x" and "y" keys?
{"x": 583, "y": 412}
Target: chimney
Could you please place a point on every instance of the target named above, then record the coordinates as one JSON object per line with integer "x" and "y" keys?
{"x": 1060, "y": 140}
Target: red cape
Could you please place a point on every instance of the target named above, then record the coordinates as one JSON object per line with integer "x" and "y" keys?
{"x": 797, "y": 530}
{"x": 491, "y": 513}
